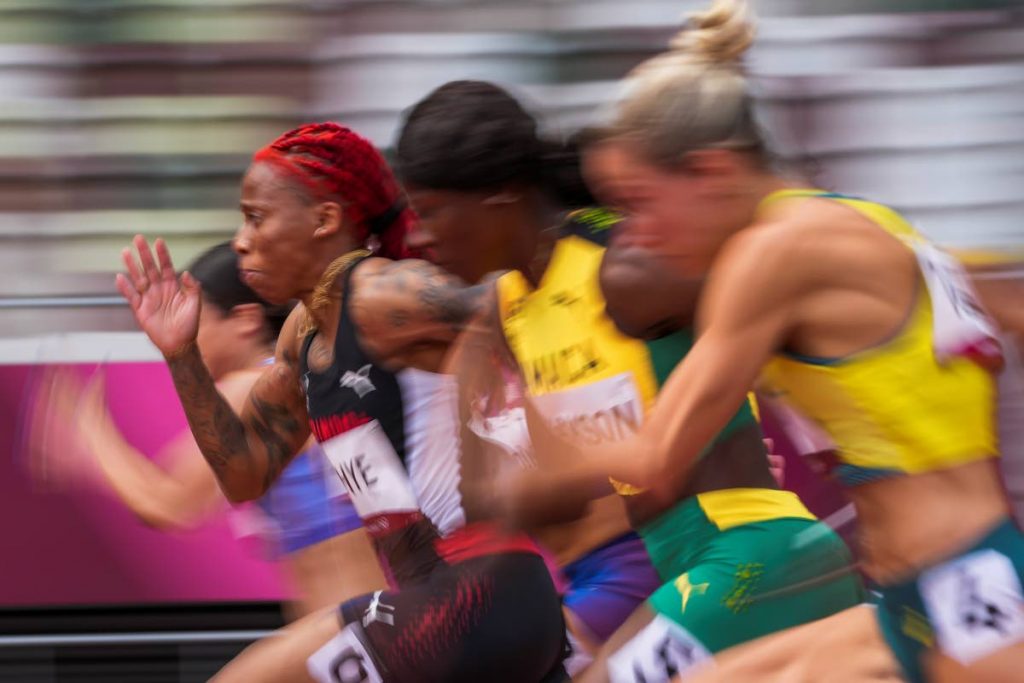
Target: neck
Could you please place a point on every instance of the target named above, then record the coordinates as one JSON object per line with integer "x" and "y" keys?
{"x": 317, "y": 300}
{"x": 533, "y": 260}
{"x": 765, "y": 186}
{"x": 541, "y": 259}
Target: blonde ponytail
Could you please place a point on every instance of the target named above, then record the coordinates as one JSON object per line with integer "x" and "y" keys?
{"x": 694, "y": 95}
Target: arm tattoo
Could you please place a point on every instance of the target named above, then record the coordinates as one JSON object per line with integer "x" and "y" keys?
{"x": 439, "y": 296}
{"x": 276, "y": 428}
{"x": 447, "y": 301}
{"x": 217, "y": 429}
{"x": 222, "y": 435}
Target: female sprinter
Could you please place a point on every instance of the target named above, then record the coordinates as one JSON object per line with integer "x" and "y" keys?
{"x": 843, "y": 310}
{"x": 325, "y": 551}
{"x": 486, "y": 196}
{"x": 491, "y": 195}
{"x": 356, "y": 365}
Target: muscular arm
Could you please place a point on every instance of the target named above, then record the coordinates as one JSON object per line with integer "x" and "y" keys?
{"x": 246, "y": 452}
{"x": 406, "y": 308}
{"x": 177, "y": 499}
{"x": 747, "y": 310}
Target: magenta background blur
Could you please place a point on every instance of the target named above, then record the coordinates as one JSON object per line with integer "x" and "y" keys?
{"x": 78, "y": 547}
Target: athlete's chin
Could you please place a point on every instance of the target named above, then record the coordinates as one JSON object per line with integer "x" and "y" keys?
{"x": 258, "y": 282}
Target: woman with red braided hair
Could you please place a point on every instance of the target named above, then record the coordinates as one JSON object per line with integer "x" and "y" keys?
{"x": 357, "y": 365}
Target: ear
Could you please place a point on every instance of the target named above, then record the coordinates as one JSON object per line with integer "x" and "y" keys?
{"x": 249, "y": 318}
{"x": 329, "y": 219}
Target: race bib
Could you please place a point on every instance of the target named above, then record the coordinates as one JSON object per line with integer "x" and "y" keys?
{"x": 370, "y": 471}
{"x": 343, "y": 659}
{"x": 658, "y": 654}
{"x": 960, "y": 327}
{"x": 975, "y": 605}
{"x": 601, "y": 412}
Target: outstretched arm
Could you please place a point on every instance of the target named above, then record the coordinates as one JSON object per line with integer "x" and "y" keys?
{"x": 749, "y": 305}
{"x": 246, "y": 452}
{"x": 746, "y": 312}
{"x": 180, "y": 496}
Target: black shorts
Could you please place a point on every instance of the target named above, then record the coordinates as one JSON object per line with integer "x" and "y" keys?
{"x": 492, "y": 618}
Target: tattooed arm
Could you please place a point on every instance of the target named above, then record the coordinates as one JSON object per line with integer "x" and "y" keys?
{"x": 247, "y": 452}
{"x": 409, "y": 312}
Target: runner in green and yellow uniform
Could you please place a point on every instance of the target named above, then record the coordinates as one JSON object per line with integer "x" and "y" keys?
{"x": 725, "y": 540}
{"x": 739, "y": 558}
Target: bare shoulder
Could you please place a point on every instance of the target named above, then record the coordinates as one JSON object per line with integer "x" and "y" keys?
{"x": 819, "y": 242}
{"x": 400, "y": 294}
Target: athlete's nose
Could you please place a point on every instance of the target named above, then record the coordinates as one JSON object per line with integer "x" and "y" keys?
{"x": 240, "y": 242}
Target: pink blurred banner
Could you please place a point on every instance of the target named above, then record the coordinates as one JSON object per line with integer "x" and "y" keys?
{"x": 79, "y": 547}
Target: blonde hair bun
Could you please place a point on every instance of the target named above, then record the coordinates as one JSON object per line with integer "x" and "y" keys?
{"x": 720, "y": 34}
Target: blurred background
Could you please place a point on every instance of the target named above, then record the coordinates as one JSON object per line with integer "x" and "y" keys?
{"x": 126, "y": 116}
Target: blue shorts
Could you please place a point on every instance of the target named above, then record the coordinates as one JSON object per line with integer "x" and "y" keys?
{"x": 607, "y": 584}
{"x": 303, "y": 508}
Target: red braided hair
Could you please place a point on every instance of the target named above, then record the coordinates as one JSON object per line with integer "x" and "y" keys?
{"x": 335, "y": 163}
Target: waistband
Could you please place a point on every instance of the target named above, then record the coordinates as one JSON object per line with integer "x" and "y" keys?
{"x": 482, "y": 538}
{"x": 686, "y": 530}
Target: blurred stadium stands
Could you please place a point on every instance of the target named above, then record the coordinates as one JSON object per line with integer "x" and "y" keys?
{"x": 139, "y": 115}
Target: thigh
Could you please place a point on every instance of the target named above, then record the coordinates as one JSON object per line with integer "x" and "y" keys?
{"x": 962, "y": 616}
{"x": 1004, "y": 666}
{"x": 846, "y": 647}
{"x": 283, "y": 656}
{"x": 636, "y": 623}
{"x": 713, "y": 606}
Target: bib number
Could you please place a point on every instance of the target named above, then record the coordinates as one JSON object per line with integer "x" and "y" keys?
{"x": 960, "y": 327}
{"x": 600, "y": 412}
{"x": 370, "y": 471}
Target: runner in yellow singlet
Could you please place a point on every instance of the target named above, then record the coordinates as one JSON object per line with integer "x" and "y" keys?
{"x": 723, "y": 532}
{"x": 850, "y": 316}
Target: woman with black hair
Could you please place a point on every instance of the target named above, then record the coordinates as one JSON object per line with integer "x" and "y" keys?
{"x": 492, "y": 195}
{"x": 324, "y": 549}
{"x": 359, "y": 364}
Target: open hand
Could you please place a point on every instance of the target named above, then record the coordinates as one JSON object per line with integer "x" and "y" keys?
{"x": 165, "y": 306}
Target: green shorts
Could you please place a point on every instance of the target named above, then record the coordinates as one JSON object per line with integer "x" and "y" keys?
{"x": 969, "y": 606}
{"x": 733, "y": 575}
